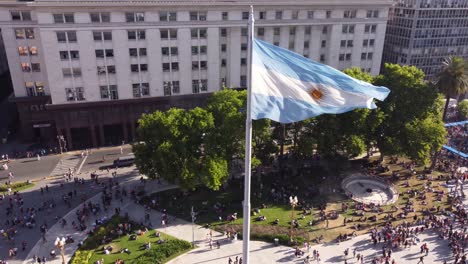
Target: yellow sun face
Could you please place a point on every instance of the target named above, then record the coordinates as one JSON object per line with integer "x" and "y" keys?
{"x": 316, "y": 94}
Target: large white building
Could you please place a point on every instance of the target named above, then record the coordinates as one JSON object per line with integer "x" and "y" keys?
{"x": 88, "y": 69}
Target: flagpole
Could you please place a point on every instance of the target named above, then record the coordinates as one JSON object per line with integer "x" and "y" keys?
{"x": 248, "y": 145}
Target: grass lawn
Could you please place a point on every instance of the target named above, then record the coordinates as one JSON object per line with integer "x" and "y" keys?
{"x": 179, "y": 204}
{"x": 93, "y": 250}
{"x": 18, "y": 186}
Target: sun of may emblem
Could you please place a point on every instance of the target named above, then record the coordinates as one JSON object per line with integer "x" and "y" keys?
{"x": 316, "y": 93}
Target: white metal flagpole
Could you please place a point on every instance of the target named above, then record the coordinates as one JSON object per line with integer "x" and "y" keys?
{"x": 248, "y": 146}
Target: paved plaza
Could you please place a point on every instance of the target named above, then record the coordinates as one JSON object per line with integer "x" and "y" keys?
{"x": 261, "y": 252}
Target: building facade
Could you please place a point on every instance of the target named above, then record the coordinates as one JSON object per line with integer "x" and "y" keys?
{"x": 424, "y": 32}
{"x": 88, "y": 70}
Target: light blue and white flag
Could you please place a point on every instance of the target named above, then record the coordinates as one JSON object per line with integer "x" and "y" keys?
{"x": 286, "y": 87}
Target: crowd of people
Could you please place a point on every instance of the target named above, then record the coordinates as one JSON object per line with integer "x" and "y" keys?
{"x": 456, "y": 137}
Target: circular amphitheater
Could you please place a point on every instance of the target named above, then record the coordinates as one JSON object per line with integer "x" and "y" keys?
{"x": 367, "y": 190}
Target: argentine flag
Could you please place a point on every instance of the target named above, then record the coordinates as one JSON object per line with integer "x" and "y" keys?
{"x": 286, "y": 87}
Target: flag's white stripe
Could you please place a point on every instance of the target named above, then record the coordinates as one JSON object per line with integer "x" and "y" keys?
{"x": 272, "y": 83}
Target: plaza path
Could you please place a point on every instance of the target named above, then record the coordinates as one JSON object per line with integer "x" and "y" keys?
{"x": 261, "y": 252}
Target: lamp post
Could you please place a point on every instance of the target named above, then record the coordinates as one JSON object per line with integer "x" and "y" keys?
{"x": 293, "y": 201}
{"x": 192, "y": 213}
{"x": 60, "y": 244}
{"x": 61, "y": 141}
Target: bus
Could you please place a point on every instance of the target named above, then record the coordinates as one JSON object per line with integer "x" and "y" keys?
{"x": 128, "y": 160}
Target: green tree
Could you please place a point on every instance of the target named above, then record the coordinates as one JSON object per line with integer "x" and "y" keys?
{"x": 462, "y": 109}
{"x": 452, "y": 79}
{"x": 411, "y": 98}
{"x": 172, "y": 147}
{"x": 423, "y": 138}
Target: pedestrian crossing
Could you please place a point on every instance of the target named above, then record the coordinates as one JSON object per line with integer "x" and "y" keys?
{"x": 66, "y": 163}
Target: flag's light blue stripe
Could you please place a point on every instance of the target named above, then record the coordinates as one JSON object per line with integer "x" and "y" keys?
{"x": 287, "y": 110}
{"x": 456, "y": 123}
{"x": 293, "y": 65}
{"x": 455, "y": 151}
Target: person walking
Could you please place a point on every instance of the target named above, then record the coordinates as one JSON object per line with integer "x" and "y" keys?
{"x": 421, "y": 260}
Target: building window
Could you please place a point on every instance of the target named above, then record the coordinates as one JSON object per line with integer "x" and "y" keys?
{"x": 370, "y": 28}
{"x": 373, "y": 28}
{"x": 168, "y": 85}
{"x": 199, "y": 86}
{"x": 167, "y": 34}
{"x": 310, "y": 14}
{"x": 174, "y": 66}
{"x": 25, "y": 67}
{"x": 278, "y": 14}
{"x": 245, "y": 15}
{"x": 325, "y": 30}
{"x": 104, "y": 53}
{"x": 295, "y": 14}
{"x": 167, "y": 16}
{"x": 68, "y": 72}
{"x": 307, "y": 30}
{"x": 244, "y": 47}
{"x": 20, "y": 15}
{"x": 223, "y": 32}
{"x": 101, "y": 17}
{"x": 261, "y": 32}
{"x": 109, "y": 92}
{"x": 34, "y": 88}
{"x": 132, "y": 17}
{"x": 198, "y": 33}
{"x": 328, "y": 14}
{"x": 197, "y": 16}
{"x": 261, "y": 15}
{"x": 276, "y": 31}
{"x": 102, "y": 35}
{"x": 33, "y": 50}
{"x": 225, "y": 16}
{"x": 372, "y": 13}
{"x": 349, "y": 14}
{"x": 371, "y": 42}
{"x": 365, "y": 43}
{"x": 72, "y": 54}
{"x": 63, "y": 18}
{"x": 64, "y": 36}
{"x": 139, "y": 67}
{"x": 347, "y": 29}
{"x": 134, "y": 52}
{"x": 343, "y": 43}
{"x": 292, "y": 31}
{"x": 322, "y": 57}
{"x": 223, "y": 62}
{"x": 136, "y": 34}
{"x": 350, "y": 43}
{"x": 243, "y": 81}
{"x": 348, "y": 56}
{"x": 202, "y": 65}
{"x": 366, "y": 56}
{"x": 223, "y": 47}
{"x": 170, "y": 51}
{"x": 244, "y": 32}
{"x": 24, "y": 33}
{"x": 324, "y": 43}
{"x": 306, "y": 44}
{"x": 243, "y": 61}
{"x": 140, "y": 90}
{"x": 341, "y": 57}
{"x": 75, "y": 94}
{"x": 23, "y": 51}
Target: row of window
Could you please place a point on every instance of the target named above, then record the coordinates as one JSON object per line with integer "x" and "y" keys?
{"x": 25, "y": 50}
{"x": 30, "y": 67}
{"x": 347, "y": 56}
{"x": 167, "y": 16}
{"x": 139, "y": 90}
{"x": 171, "y": 34}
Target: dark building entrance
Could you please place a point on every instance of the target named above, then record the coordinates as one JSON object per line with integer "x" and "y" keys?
{"x": 91, "y": 124}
